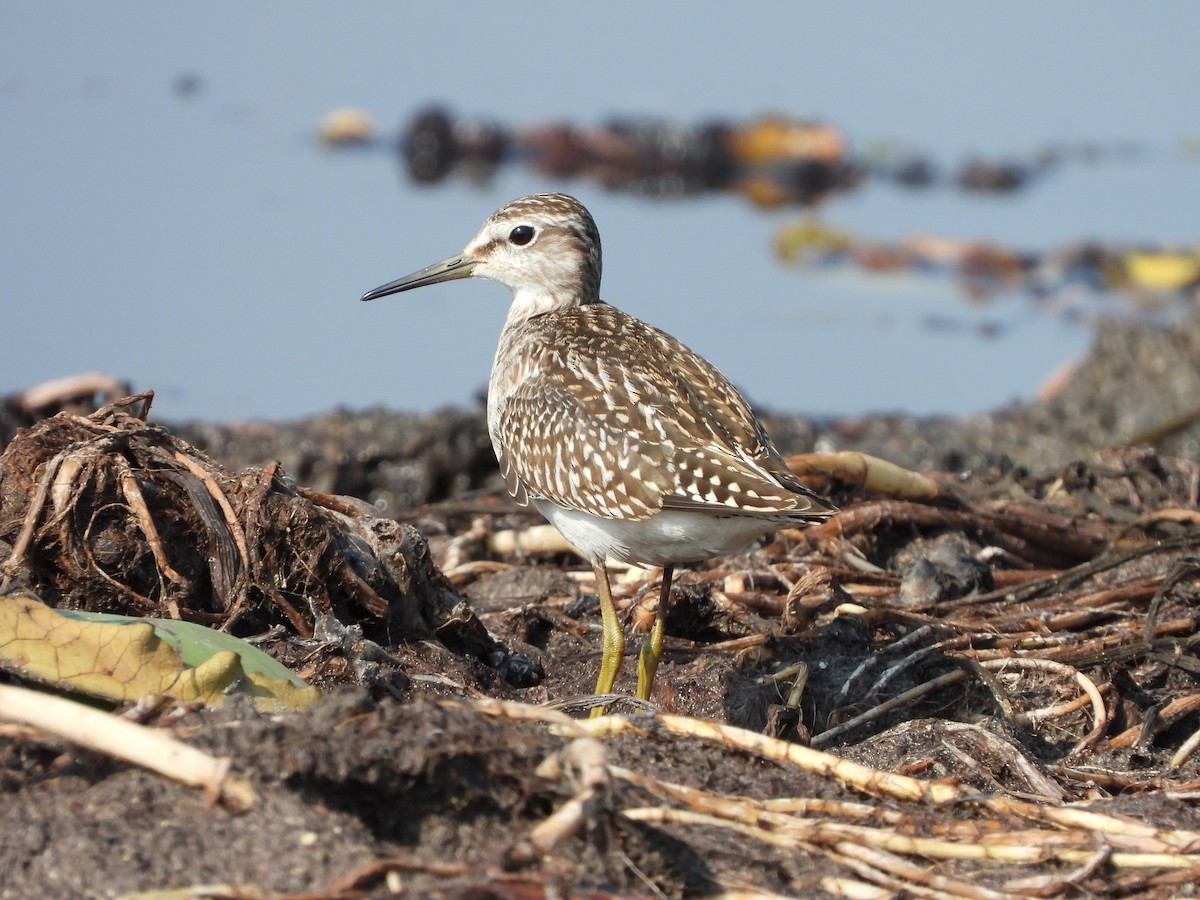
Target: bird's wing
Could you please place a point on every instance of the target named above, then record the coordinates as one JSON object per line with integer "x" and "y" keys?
{"x": 627, "y": 425}
{"x": 553, "y": 443}
{"x": 723, "y": 457}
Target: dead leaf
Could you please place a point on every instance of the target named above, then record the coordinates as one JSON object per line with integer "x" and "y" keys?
{"x": 122, "y": 659}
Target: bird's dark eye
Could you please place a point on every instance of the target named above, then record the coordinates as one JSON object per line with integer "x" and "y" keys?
{"x": 521, "y": 235}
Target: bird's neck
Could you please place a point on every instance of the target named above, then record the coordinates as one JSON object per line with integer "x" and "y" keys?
{"x": 530, "y": 302}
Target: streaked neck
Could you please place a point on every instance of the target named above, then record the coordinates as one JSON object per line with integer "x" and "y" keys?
{"x": 530, "y": 301}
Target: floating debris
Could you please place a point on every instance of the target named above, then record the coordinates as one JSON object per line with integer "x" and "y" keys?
{"x": 347, "y": 126}
{"x": 1154, "y": 280}
{"x": 779, "y": 160}
{"x": 773, "y": 160}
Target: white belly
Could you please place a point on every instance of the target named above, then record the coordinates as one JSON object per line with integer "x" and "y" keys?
{"x": 671, "y": 536}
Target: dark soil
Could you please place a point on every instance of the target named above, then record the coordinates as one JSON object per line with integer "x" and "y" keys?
{"x": 938, "y": 640}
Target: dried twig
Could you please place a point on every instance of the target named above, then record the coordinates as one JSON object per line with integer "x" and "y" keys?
{"x": 117, "y": 737}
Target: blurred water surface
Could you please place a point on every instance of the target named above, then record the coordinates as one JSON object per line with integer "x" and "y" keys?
{"x": 167, "y": 216}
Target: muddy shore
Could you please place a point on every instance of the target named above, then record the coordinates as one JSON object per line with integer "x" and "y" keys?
{"x": 943, "y": 643}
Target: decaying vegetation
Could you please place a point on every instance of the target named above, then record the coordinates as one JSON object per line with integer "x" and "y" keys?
{"x": 978, "y": 686}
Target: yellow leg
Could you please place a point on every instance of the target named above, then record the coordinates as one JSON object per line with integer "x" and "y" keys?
{"x": 652, "y": 647}
{"x": 612, "y": 649}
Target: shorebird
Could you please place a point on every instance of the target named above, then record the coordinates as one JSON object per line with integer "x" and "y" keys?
{"x": 635, "y": 447}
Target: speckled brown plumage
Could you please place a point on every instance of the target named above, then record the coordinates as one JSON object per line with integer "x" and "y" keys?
{"x": 635, "y": 447}
{"x": 600, "y": 412}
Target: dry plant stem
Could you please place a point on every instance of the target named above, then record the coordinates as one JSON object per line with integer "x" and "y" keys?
{"x": 1060, "y": 709}
{"x": 1113, "y": 648}
{"x": 854, "y": 888}
{"x": 868, "y": 845}
{"x": 1044, "y": 616}
{"x": 1075, "y": 537}
{"x": 54, "y": 392}
{"x": 863, "y": 778}
{"x": 1172, "y": 514}
{"x": 1029, "y": 536}
{"x": 137, "y": 502}
{"x": 1028, "y": 848}
{"x": 534, "y": 539}
{"x": 737, "y": 890}
{"x": 913, "y": 874}
{"x": 584, "y": 758}
{"x": 231, "y": 519}
{"x": 738, "y": 644}
{"x": 896, "y": 669}
{"x": 887, "y": 845}
{"x": 1123, "y": 831}
{"x": 1062, "y": 580}
{"x": 1185, "y": 568}
{"x": 1053, "y": 885}
{"x": 147, "y": 747}
{"x": 703, "y": 801}
{"x": 466, "y": 573}
{"x": 63, "y": 495}
{"x": 1100, "y": 713}
{"x": 363, "y": 876}
{"x": 896, "y": 887}
{"x": 561, "y": 723}
{"x": 901, "y": 787}
{"x": 827, "y": 737}
{"x": 21, "y": 545}
{"x": 915, "y": 637}
{"x": 1185, "y": 751}
{"x": 1086, "y": 607}
{"x": 133, "y": 496}
{"x": 1167, "y": 716}
{"x": 876, "y": 475}
{"x": 1014, "y": 760}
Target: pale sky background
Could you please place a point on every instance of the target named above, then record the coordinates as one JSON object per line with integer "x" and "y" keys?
{"x": 208, "y": 249}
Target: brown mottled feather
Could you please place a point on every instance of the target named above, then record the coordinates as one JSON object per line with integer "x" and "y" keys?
{"x": 614, "y": 417}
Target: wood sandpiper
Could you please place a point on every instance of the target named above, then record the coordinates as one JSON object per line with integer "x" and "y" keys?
{"x": 636, "y": 448}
